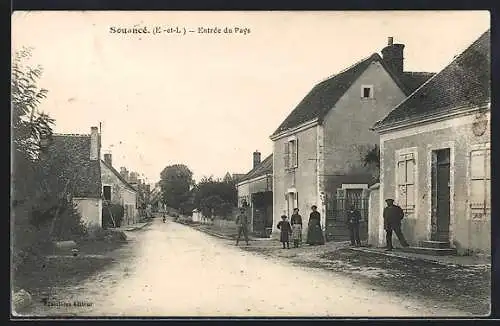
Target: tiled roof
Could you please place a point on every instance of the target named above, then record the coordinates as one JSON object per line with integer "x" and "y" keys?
{"x": 265, "y": 167}
{"x": 68, "y": 157}
{"x": 463, "y": 83}
{"x": 325, "y": 95}
{"x": 119, "y": 176}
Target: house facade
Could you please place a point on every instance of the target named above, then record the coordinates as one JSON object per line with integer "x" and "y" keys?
{"x": 318, "y": 150}
{"x": 255, "y": 190}
{"x": 74, "y": 158}
{"x": 435, "y": 157}
{"x": 117, "y": 190}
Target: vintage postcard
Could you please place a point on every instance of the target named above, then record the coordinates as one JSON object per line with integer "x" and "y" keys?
{"x": 250, "y": 164}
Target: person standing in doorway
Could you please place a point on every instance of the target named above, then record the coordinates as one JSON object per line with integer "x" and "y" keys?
{"x": 242, "y": 223}
{"x": 314, "y": 231}
{"x": 393, "y": 214}
{"x": 286, "y": 230}
{"x": 353, "y": 218}
{"x": 296, "y": 222}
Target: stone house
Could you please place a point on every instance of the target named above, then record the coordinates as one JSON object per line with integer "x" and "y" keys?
{"x": 435, "y": 158}
{"x": 255, "y": 189}
{"x": 318, "y": 149}
{"x": 117, "y": 190}
{"x": 75, "y": 158}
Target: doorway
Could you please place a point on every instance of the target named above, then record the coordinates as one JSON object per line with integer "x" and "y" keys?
{"x": 440, "y": 195}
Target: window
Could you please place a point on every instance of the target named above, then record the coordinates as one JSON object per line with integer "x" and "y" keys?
{"x": 406, "y": 182}
{"x": 480, "y": 181}
{"x": 291, "y": 154}
{"x": 106, "y": 192}
{"x": 366, "y": 91}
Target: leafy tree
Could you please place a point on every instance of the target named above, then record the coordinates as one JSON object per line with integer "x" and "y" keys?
{"x": 371, "y": 159}
{"x": 37, "y": 200}
{"x": 214, "y": 196}
{"x": 176, "y": 182}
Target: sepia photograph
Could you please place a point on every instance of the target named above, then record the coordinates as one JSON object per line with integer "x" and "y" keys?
{"x": 250, "y": 164}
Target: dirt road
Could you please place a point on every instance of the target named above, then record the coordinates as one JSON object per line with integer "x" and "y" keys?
{"x": 170, "y": 269}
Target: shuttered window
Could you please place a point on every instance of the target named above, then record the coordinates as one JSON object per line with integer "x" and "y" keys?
{"x": 291, "y": 155}
{"x": 406, "y": 182}
{"x": 480, "y": 183}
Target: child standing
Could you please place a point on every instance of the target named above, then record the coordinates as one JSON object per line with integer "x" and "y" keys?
{"x": 286, "y": 229}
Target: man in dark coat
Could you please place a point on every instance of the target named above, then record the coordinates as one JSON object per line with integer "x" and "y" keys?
{"x": 393, "y": 214}
{"x": 242, "y": 223}
{"x": 353, "y": 218}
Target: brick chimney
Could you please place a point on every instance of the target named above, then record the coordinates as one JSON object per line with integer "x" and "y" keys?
{"x": 95, "y": 146}
{"x": 392, "y": 55}
{"x": 256, "y": 158}
{"x": 108, "y": 160}
{"x": 124, "y": 173}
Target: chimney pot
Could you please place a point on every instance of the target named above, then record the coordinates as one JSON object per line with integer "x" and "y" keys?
{"x": 256, "y": 158}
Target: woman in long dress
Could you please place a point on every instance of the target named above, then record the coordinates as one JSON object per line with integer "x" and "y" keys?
{"x": 314, "y": 232}
{"x": 296, "y": 222}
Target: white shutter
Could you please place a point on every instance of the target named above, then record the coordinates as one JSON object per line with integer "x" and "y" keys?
{"x": 401, "y": 171}
{"x": 478, "y": 164}
{"x": 286, "y": 155}
{"x": 296, "y": 152}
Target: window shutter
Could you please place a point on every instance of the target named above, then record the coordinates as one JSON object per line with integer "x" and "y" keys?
{"x": 478, "y": 164}
{"x": 296, "y": 152}
{"x": 286, "y": 155}
{"x": 401, "y": 172}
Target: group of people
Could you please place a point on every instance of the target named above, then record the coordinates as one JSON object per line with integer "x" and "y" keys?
{"x": 293, "y": 229}
{"x": 393, "y": 215}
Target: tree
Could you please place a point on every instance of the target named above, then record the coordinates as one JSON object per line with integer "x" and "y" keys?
{"x": 176, "y": 182}
{"x": 36, "y": 198}
{"x": 371, "y": 159}
{"x": 215, "y": 196}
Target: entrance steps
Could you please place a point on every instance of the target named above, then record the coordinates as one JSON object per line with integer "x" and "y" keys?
{"x": 435, "y": 248}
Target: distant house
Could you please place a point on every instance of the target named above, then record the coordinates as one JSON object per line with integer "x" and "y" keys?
{"x": 435, "y": 156}
{"x": 117, "y": 190}
{"x": 318, "y": 149}
{"x": 255, "y": 189}
{"x": 75, "y": 159}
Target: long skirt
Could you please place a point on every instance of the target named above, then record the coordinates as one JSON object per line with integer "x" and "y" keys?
{"x": 284, "y": 236}
{"x": 315, "y": 235}
{"x": 297, "y": 233}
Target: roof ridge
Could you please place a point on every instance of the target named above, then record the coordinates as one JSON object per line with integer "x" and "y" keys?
{"x": 454, "y": 60}
{"x": 348, "y": 68}
{"x": 117, "y": 174}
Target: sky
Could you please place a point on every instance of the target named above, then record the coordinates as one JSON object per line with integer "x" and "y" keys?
{"x": 209, "y": 100}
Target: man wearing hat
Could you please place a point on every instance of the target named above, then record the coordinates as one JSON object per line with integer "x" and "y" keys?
{"x": 393, "y": 214}
{"x": 242, "y": 223}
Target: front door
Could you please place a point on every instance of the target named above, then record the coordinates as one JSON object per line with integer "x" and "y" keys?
{"x": 441, "y": 195}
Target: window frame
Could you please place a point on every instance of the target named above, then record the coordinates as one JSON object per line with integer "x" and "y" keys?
{"x": 484, "y": 212}
{"x": 110, "y": 192}
{"x": 409, "y": 154}
{"x": 370, "y": 87}
{"x": 291, "y": 153}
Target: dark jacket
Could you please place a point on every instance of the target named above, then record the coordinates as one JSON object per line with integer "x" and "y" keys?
{"x": 393, "y": 216}
{"x": 242, "y": 220}
{"x": 296, "y": 219}
{"x": 353, "y": 217}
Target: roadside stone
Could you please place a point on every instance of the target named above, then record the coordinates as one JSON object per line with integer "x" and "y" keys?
{"x": 65, "y": 244}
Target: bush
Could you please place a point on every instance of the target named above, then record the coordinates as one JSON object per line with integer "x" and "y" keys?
{"x": 95, "y": 232}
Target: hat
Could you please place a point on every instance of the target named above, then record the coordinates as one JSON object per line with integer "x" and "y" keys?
{"x": 389, "y": 200}
{"x": 296, "y": 209}
{"x": 314, "y": 206}
{"x": 284, "y": 216}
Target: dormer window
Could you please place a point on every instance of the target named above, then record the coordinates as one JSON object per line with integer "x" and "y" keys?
{"x": 367, "y": 91}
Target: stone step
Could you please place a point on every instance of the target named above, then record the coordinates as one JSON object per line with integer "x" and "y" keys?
{"x": 431, "y": 251}
{"x": 435, "y": 244}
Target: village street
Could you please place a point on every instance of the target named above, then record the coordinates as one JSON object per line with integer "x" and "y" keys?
{"x": 174, "y": 270}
